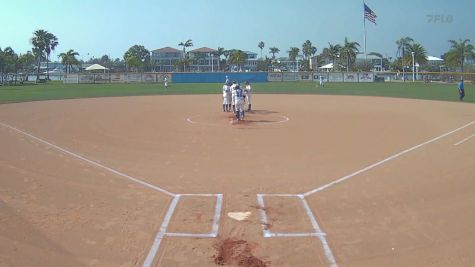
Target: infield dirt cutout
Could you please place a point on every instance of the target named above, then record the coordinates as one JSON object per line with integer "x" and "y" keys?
{"x": 407, "y": 199}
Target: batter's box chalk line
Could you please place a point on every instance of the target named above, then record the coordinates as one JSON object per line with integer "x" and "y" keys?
{"x": 316, "y": 227}
{"x": 171, "y": 210}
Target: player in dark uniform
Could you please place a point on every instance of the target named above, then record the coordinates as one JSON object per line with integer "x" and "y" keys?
{"x": 461, "y": 90}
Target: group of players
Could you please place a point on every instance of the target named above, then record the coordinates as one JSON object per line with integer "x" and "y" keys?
{"x": 235, "y": 97}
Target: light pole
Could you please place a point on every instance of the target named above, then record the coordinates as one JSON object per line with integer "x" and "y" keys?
{"x": 212, "y": 63}
{"x": 403, "y": 66}
{"x": 413, "y": 67}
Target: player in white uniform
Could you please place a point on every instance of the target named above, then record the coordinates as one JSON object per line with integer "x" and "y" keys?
{"x": 320, "y": 80}
{"x": 238, "y": 96}
{"x": 165, "y": 81}
{"x": 233, "y": 88}
{"x": 248, "y": 93}
{"x": 226, "y": 98}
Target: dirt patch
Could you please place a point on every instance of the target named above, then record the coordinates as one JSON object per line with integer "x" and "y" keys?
{"x": 236, "y": 252}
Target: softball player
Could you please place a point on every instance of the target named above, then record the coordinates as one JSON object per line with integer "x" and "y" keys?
{"x": 233, "y": 88}
{"x": 461, "y": 90}
{"x": 226, "y": 94}
{"x": 248, "y": 93}
{"x": 238, "y": 96}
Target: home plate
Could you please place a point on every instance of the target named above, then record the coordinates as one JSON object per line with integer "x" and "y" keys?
{"x": 240, "y": 216}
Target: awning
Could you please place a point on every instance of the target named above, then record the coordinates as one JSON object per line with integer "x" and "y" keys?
{"x": 96, "y": 67}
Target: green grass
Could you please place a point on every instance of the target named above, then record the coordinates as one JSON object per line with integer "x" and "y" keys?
{"x": 58, "y": 90}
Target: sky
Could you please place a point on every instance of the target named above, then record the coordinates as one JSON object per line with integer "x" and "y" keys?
{"x": 109, "y": 27}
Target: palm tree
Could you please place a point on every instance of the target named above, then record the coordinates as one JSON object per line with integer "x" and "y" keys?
{"x": 69, "y": 59}
{"x": 420, "y": 54}
{"x": 219, "y": 53}
{"x": 39, "y": 43}
{"x": 308, "y": 49}
{"x": 261, "y": 46}
{"x": 293, "y": 53}
{"x": 274, "y": 50}
{"x": 187, "y": 43}
{"x": 402, "y": 46}
{"x": 349, "y": 49}
{"x": 238, "y": 58}
{"x": 51, "y": 43}
{"x": 333, "y": 52}
{"x": 459, "y": 51}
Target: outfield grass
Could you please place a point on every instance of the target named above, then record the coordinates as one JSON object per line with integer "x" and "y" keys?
{"x": 58, "y": 90}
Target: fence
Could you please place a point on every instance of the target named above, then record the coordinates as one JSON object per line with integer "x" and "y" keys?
{"x": 445, "y": 77}
{"x": 220, "y": 77}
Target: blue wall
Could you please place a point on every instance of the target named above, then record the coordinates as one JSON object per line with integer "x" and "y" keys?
{"x": 219, "y": 77}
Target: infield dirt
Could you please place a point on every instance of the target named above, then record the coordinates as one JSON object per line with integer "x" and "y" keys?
{"x": 416, "y": 210}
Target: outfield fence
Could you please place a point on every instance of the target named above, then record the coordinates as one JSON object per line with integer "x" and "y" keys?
{"x": 255, "y": 77}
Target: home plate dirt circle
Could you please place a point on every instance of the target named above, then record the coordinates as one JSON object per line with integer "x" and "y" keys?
{"x": 254, "y": 117}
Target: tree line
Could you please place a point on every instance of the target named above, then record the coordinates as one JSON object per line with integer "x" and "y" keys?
{"x": 137, "y": 57}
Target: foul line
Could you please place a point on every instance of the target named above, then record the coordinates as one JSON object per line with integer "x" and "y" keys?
{"x": 90, "y": 161}
{"x": 464, "y": 140}
{"x": 344, "y": 178}
{"x": 171, "y": 209}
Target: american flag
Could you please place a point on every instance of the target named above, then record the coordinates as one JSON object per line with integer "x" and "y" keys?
{"x": 369, "y": 14}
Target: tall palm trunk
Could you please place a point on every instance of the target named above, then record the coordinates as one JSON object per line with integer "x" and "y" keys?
{"x": 38, "y": 69}
{"x": 348, "y": 63}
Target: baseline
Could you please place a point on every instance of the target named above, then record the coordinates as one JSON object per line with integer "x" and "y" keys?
{"x": 92, "y": 162}
{"x": 464, "y": 140}
{"x": 367, "y": 168}
{"x": 171, "y": 209}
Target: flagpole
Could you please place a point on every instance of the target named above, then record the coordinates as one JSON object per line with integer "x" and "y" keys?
{"x": 364, "y": 25}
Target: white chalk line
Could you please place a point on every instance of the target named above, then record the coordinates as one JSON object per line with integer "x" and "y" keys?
{"x": 344, "y": 178}
{"x": 464, "y": 140}
{"x": 92, "y": 162}
{"x": 263, "y": 215}
{"x": 161, "y": 233}
{"x": 316, "y": 227}
{"x": 217, "y": 215}
{"x": 163, "y": 228}
{"x": 326, "y": 248}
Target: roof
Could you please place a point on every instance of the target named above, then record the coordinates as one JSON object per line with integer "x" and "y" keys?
{"x": 166, "y": 50}
{"x": 327, "y": 66}
{"x": 431, "y": 58}
{"x": 249, "y": 53}
{"x": 96, "y": 67}
{"x": 203, "y": 50}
